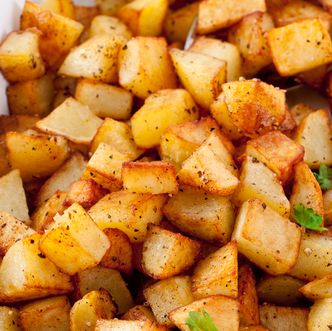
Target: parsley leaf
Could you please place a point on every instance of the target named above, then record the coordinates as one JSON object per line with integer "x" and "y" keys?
{"x": 307, "y": 218}
{"x": 200, "y": 322}
{"x": 324, "y": 177}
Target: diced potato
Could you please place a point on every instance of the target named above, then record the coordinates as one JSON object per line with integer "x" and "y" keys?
{"x": 221, "y": 50}
{"x": 267, "y": 239}
{"x": 33, "y": 97}
{"x": 20, "y": 59}
{"x": 35, "y": 155}
{"x": 11, "y": 231}
{"x": 258, "y": 181}
{"x": 46, "y": 314}
{"x": 145, "y": 66}
{"x": 320, "y": 316}
{"x": 96, "y": 58}
{"x": 317, "y": 151}
{"x": 167, "y": 295}
{"x": 72, "y": 120}
{"x": 223, "y": 311}
{"x": 202, "y": 75}
{"x": 283, "y": 318}
{"x": 217, "y": 14}
{"x": 9, "y": 319}
{"x": 58, "y": 33}
{"x": 104, "y": 167}
{"x": 110, "y": 7}
{"x": 318, "y": 289}
{"x": 280, "y": 290}
{"x": 128, "y": 212}
{"x": 202, "y": 215}
{"x": 276, "y": 151}
{"x": 327, "y": 202}
{"x": 157, "y": 177}
{"x": 248, "y": 300}
{"x": 74, "y": 242}
{"x": 288, "y": 124}
{"x": 103, "y": 24}
{"x": 177, "y": 23}
{"x": 18, "y": 123}
{"x": 300, "y": 46}
{"x": 314, "y": 260}
{"x": 249, "y": 35}
{"x": 166, "y": 254}
{"x": 62, "y": 7}
{"x": 108, "y": 279}
{"x": 217, "y": 274}
{"x": 160, "y": 111}
{"x": 118, "y": 325}
{"x": 93, "y": 306}
{"x": 32, "y": 275}
{"x": 264, "y": 104}
{"x": 104, "y": 100}
{"x": 12, "y": 196}
{"x": 300, "y": 111}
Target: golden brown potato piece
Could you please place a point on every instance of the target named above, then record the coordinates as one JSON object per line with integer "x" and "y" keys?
{"x": 224, "y": 312}
{"x": 46, "y": 314}
{"x": 32, "y": 275}
{"x": 128, "y": 212}
{"x": 300, "y": 46}
{"x": 137, "y": 16}
{"x": 9, "y": 319}
{"x": 202, "y": 75}
{"x": 119, "y": 325}
{"x": 318, "y": 289}
{"x": 167, "y": 295}
{"x": 217, "y": 14}
{"x": 320, "y": 316}
{"x": 110, "y": 7}
{"x": 300, "y": 111}
{"x": 327, "y": 202}
{"x": 59, "y": 33}
{"x": 119, "y": 256}
{"x": 62, "y": 7}
{"x": 156, "y": 177}
{"x": 217, "y": 274}
{"x": 267, "y": 239}
{"x": 18, "y": 123}
{"x": 145, "y": 66}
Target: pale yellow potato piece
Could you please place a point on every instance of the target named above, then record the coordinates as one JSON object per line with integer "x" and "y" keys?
{"x": 300, "y": 111}
{"x": 318, "y": 289}
{"x": 119, "y": 325}
{"x": 9, "y": 319}
{"x": 320, "y": 316}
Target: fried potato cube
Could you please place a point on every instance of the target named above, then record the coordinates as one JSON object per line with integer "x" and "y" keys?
{"x": 224, "y": 312}
{"x": 249, "y": 35}
{"x": 58, "y": 33}
{"x": 20, "y": 59}
{"x": 12, "y": 196}
{"x": 32, "y": 97}
{"x": 32, "y": 275}
{"x": 104, "y": 100}
{"x": 93, "y": 306}
{"x": 258, "y": 181}
{"x": 137, "y": 16}
{"x": 11, "y": 231}
{"x": 202, "y": 215}
{"x": 61, "y": 179}
{"x": 46, "y": 314}
{"x": 108, "y": 279}
{"x": 276, "y": 151}
{"x": 72, "y": 120}
{"x": 317, "y": 151}
{"x": 266, "y": 238}
{"x": 300, "y": 46}
{"x": 283, "y": 318}
{"x": 314, "y": 260}
{"x": 160, "y": 111}
{"x": 36, "y": 155}
{"x": 167, "y": 254}
{"x": 318, "y": 289}
{"x": 320, "y": 316}
{"x": 128, "y": 212}
{"x": 74, "y": 242}
{"x": 110, "y": 7}
{"x": 280, "y": 290}
{"x": 9, "y": 319}
{"x": 264, "y": 104}
{"x": 118, "y": 135}
{"x": 156, "y": 177}
{"x": 167, "y": 295}
{"x": 119, "y": 325}
{"x": 202, "y": 75}
{"x": 145, "y": 66}
{"x": 300, "y": 111}
{"x": 217, "y": 274}
{"x": 217, "y": 14}
{"x": 120, "y": 254}
{"x": 327, "y": 202}
{"x": 62, "y": 7}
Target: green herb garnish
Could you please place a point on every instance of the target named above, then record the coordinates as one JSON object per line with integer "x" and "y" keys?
{"x": 307, "y": 218}
{"x": 324, "y": 177}
{"x": 200, "y": 322}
